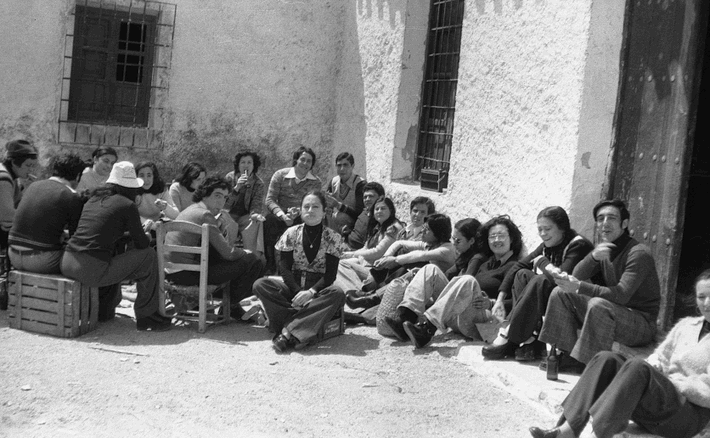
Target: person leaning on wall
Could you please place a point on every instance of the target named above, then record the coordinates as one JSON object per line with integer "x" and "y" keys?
{"x": 344, "y": 195}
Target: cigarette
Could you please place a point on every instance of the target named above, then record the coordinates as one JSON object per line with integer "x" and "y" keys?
{"x": 31, "y": 177}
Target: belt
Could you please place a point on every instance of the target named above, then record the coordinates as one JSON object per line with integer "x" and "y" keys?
{"x": 26, "y": 252}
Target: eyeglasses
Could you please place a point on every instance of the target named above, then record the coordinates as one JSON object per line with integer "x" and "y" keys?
{"x": 455, "y": 240}
{"x": 497, "y": 236}
{"x": 425, "y": 228}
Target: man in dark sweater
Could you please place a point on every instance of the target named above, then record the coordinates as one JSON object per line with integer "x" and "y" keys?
{"x": 226, "y": 262}
{"x": 46, "y": 210}
{"x": 612, "y": 295}
{"x": 358, "y": 236}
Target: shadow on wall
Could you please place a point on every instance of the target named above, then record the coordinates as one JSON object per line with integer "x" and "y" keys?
{"x": 365, "y": 8}
{"x": 498, "y": 5}
{"x": 215, "y": 145}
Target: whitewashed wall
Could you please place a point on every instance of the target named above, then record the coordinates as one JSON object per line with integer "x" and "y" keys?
{"x": 537, "y": 87}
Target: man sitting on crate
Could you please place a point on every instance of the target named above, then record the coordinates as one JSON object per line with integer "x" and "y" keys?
{"x": 226, "y": 262}
{"x": 47, "y": 209}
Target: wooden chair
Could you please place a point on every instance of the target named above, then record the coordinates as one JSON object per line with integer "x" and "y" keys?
{"x": 201, "y": 291}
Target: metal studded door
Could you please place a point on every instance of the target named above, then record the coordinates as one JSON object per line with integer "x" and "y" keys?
{"x": 654, "y": 122}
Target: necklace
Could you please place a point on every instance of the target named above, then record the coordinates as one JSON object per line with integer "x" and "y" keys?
{"x": 311, "y": 240}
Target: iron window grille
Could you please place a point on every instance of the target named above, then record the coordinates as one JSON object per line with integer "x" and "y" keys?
{"x": 115, "y": 82}
{"x": 436, "y": 124}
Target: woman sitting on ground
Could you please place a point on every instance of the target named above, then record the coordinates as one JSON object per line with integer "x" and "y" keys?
{"x": 531, "y": 285}
{"x": 405, "y": 255}
{"x": 153, "y": 201}
{"x": 246, "y": 200}
{"x": 305, "y": 299}
{"x": 382, "y": 230}
{"x": 103, "y": 159}
{"x": 190, "y": 178}
{"x": 465, "y": 299}
{"x": 88, "y": 258}
{"x": 668, "y": 394}
{"x": 430, "y": 281}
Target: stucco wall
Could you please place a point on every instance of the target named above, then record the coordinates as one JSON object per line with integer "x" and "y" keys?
{"x": 254, "y": 74}
{"x": 30, "y": 68}
{"x": 523, "y": 76}
{"x": 601, "y": 84}
{"x": 244, "y": 74}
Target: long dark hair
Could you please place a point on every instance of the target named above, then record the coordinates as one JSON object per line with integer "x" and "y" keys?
{"x": 109, "y": 189}
{"x": 158, "y": 186}
{"x": 559, "y": 217}
{"x": 374, "y": 227}
{"x": 190, "y": 172}
{"x": 469, "y": 229}
{"x": 516, "y": 237}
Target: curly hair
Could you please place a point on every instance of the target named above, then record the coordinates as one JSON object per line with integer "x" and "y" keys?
{"x": 255, "y": 158}
{"x": 516, "y": 237}
{"x": 68, "y": 166}
{"x": 209, "y": 185}
{"x": 158, "y": 186}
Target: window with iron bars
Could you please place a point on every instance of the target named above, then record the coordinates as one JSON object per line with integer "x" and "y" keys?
{"x": 436, "y": 124}
{"x": 114, "y": 73}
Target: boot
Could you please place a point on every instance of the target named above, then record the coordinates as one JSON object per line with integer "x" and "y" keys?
{"x": 421, "y": 333}
{"x": 395, "y": 325}
{"x": 365, "y": 302}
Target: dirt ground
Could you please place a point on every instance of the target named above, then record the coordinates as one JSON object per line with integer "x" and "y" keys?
{"x": 116, "y": 382}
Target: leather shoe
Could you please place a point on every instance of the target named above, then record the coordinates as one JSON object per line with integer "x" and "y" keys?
{"x": 421, "y": 333}
{"x": 153, "y": 323}
{"x": 532, "y": 351}
{"x": 282, "y": 343}
{"x": 397, "y": 328}
{"x": 355, "y": 302}
{"x": 536, "y": 432}
{"x": 565, "y": 364}
{"x": 498, "y": 352}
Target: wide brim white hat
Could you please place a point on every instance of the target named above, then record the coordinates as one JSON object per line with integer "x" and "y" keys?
{"x": 124, "y": 174}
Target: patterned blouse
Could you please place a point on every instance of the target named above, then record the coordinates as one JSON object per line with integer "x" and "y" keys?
{"x": 292, "y": 240}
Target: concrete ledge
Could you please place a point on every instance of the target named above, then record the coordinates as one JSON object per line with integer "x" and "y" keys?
{"x": 527, "y": 382}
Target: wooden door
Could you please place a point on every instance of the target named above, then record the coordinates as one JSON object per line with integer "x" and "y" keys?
{"x": 653, "y": 127}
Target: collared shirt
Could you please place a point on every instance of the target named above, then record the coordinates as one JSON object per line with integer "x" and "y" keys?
{"x": 494, "y": 263}
{"x": 704, "y": 330}
{"x": 59, "y": 180}
{"x": 292, "y": 175}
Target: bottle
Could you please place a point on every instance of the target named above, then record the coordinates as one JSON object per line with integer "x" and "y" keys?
{"x": 552, "y": 364}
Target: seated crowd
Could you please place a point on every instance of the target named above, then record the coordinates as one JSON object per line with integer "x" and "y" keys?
{"x": 343, "y": 243}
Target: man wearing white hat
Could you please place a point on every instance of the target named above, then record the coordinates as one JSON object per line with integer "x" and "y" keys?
{"x": 107, "y": 215}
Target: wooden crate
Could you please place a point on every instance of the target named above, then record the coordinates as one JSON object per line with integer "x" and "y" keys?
{"x": 51, "y": 304}
{"x": 334, "y": 327}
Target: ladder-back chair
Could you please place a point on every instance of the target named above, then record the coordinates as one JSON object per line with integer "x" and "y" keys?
{"x": 202, "y": 291}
